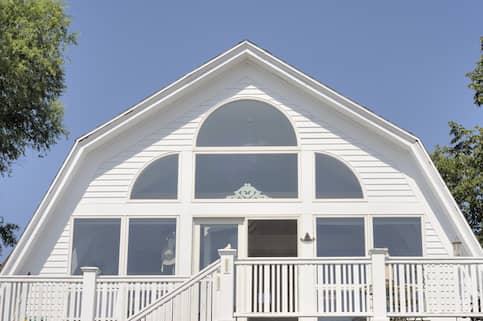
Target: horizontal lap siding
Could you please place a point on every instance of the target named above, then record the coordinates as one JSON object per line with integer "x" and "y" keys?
{"x": 434, "y": 245}
{"x": 58, "y": 261}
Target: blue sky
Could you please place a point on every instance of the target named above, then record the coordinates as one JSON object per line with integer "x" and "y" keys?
{"x": 404, "y": 60}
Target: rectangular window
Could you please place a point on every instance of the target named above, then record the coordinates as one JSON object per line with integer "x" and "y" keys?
{"x": 246, "y": 176}
{"x": 96, "y": 243}
{"x": 401, "y": 235}
{"x": 214, "y": 237}
{"x": 152, "y": 247}
{"x": 340, "y": 237}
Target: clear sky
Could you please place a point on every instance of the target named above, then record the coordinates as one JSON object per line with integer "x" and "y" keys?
{"x": 405, "y": 60}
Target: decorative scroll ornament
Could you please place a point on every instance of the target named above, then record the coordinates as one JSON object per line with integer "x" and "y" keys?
{"x": 247, "y": 191}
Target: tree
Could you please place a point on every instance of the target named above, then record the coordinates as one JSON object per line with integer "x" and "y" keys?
{"x": 461, "y": 165}
{"x": 476, "y": 77}
{"x": 461, "y": 162}
{"x": 33, "y": 38}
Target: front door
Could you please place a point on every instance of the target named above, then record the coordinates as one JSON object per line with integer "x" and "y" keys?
{"x": 272, "y": 238}
{"x": 210, "y": 235}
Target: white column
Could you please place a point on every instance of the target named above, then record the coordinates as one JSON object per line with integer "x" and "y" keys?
{"x": 307, "y": 280}
{"x": 226, "y": 290}
{"x": 88, "y": 307}
{"x": 378, "y": 268}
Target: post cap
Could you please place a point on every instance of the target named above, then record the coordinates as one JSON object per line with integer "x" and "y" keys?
{"x": 383, "y": 250}
{"x": 87, "y": 269}
{"x": 227, "y": 251}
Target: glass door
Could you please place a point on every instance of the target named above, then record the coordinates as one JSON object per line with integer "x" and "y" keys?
{"x": 210, "y": 235}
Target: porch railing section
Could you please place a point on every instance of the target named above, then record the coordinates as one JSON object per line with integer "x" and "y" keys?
{"x": 118, "y": 298}
{"x": 303, "y": 287}
{"x": 38, "y": 298}
{"x": 193, "y": 300}
{"x": 32, "y": 298}
{"x": 434, "y": 287}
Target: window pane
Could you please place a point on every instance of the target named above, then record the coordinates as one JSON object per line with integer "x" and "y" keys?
{"x": 340, "y": 237}
{"x": 246, "y": 176}
{"x": 401, "y": 235}
{"x": 158, "y": 181}
{"x": 214, "y": 237}
{"x": 334, "y": 179}
{"x": 246, "y": 123}
{"x": 272, "y": 238}
{"x": 96, "y": 243}
{"x": 152, "y": 247}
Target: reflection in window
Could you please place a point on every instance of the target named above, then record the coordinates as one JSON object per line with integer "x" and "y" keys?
{"x": 159, "y": 180}
{"x": 152, "y": 247}
{"x": 96, "y": 243}
{"x": 401, "y": 235}
{"x": 214, "y": 237}
{"x": 245, "y": 176}
{"x": 246, "y": 123}
{"x": 340, "y": 237}
{"x": 334, "y": 179}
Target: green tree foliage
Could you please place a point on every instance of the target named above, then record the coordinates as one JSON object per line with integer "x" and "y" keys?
{"x": 476, "y": 77}
{"x": 33, "y": 38}
{"x": 461, "y": 162}
{"x": 461, "y": 165}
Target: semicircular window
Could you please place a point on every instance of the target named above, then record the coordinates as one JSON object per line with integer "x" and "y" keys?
{"x": 334, "y": 179}
{"x": 159, "y": 180}
{"x": 246, "y": 123}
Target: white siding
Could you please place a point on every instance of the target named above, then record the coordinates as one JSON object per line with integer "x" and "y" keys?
{"x": 58, "y": 261}
{"x": 434, "y": 245}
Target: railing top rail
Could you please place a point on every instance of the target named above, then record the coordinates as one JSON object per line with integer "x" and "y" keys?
{"x": 201, "y": 275}
{"x": 142, "y": 278}
{"x": 37, "y": 278}
{"x": 436, "y": 260}
{"x": 302, "y": 261}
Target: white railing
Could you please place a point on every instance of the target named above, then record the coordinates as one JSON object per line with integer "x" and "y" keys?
{"x": 303, "y": 287}
{"x": 32, "y": 298}
{"x": 193, "y": 300}
{"x": 118, "y": 298}
{"x": 40, "y": 299}
{"x": 434, "y": 287}
{"x": 378, "y": 287}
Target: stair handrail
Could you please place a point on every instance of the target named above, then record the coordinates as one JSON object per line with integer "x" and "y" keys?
{"x": 213, "y": 267}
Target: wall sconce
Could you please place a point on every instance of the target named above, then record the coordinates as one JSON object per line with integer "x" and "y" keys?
{"x": 307, "y": 238}
{"x": 456, "y": 247}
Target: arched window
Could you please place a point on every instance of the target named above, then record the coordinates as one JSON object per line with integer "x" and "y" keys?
{"x": 334, "y": 179}
{"x": 246, "y": 123}
{"x": 246, "y": 172}
{"x": 159, "y": 180}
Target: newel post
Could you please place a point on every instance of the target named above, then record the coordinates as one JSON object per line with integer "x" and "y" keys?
{"x": 88, "y": 307}
{"x": 379, "y": 301}
{"x": 226, "y": 289}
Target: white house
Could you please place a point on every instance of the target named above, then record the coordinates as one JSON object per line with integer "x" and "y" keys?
{"x": 334, "y": 212}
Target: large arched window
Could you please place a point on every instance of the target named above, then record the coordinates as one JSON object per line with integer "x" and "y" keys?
{"x": 159, "y": 180}
{"x": 246, "y": 172}
{"x": 334, "y": 179}
{"x": 246, "y": 123}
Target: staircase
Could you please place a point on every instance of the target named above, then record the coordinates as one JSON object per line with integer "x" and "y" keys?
{"x": 207, "y": 296}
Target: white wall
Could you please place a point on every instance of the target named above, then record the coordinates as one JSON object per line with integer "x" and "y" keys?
{"x": 391, "y": 184}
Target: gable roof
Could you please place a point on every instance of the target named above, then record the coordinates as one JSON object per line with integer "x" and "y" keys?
{"x": 244, "y": 50}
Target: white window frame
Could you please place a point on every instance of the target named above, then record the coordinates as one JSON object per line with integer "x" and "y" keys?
{"x": 196, "y": 226}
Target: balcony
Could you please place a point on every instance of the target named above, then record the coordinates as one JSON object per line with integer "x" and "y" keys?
{"x": 377, "y": 287}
